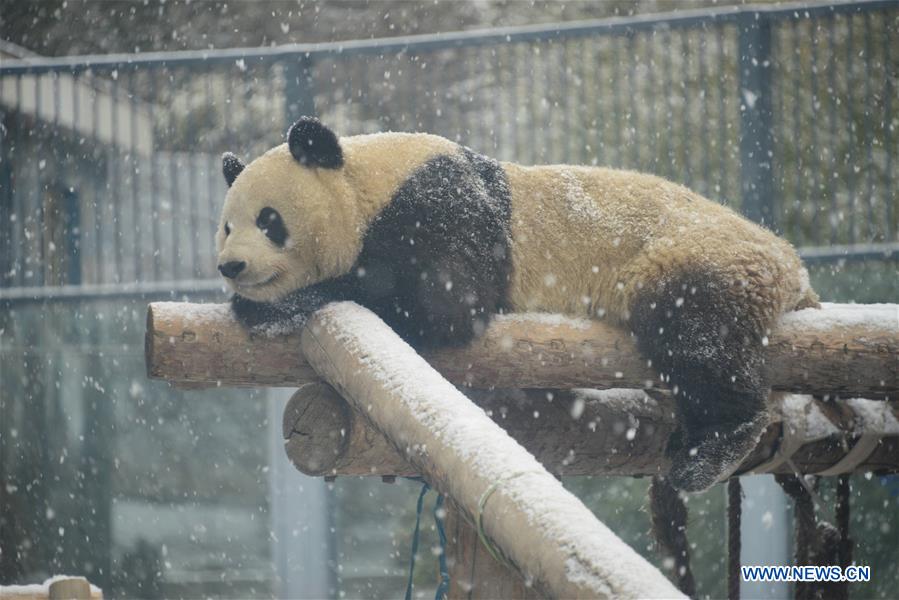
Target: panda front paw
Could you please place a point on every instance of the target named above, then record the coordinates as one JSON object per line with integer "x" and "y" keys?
{"x": 263, "y": 318}
{"x": 250, "y": 313}
{"x": 701, "y": 460}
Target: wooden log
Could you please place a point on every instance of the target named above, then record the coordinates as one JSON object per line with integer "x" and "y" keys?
{"x": 323, "y": 435}
{"x": 585, "y": 432}
{"x": 842, "y": 350}
{"x": 621, "y": 435}
{"x": 71, "y": 588}
{"x": 59, "y": 587}
{"x": 192, "y": 344}
{"x": 541, "y": 528}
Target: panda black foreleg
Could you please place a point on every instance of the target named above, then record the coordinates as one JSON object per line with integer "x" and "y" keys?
{"x": 439, "y": 304}
{"x": 705, "y": 340}
{"x": 290, "y": 313}
{"x": 457, "y": 315}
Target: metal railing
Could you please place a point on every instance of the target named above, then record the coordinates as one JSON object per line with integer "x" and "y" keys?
{"x": 110, "y": 171}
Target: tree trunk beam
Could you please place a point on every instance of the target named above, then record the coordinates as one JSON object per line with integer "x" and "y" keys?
{"x": 58, "y": 587}
{"x": 541, "y": 528}
{"x": 587, "y": 432}
{"x": 324, "y": 435}
{"x": 841, "y": 350}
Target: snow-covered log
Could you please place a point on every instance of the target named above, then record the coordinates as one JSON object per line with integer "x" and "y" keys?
{"x": 590, "y": 432}
{"x": 541, "y": 528}
{"x": 844, "y": 350}
{"x": 58, "y": 587}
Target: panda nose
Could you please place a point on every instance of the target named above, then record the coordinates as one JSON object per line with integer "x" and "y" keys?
{"x": 232, "y": 269}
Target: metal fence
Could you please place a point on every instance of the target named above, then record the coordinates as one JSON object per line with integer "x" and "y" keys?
{"x": 110, "y": 164}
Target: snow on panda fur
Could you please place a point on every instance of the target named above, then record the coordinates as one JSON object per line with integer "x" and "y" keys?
{"x": 435, "y": 239}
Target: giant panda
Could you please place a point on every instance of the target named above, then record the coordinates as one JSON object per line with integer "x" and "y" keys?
{"x": 436, "y": 239}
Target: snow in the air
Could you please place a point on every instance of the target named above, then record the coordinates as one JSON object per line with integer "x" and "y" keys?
{"x": 111, "y": 193}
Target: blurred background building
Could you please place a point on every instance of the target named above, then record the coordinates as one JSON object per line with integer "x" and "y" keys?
{"x": 110, "y": 190}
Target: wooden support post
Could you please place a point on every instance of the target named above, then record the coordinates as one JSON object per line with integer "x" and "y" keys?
{"x": 474, "y": 574}
{"x": 541, "y": 528}
{"x": 59, "y": 587}
{"x": 841, "y": 350}
{"x": 71, "y": 588}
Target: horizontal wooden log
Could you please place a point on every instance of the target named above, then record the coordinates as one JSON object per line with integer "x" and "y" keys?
{"x": 538, "y": 526}
{"x": 842, "y": 350}
{"x": 323, "y": 435}
{"x": 587, "y": 432}
{"x": 58, "y": 587}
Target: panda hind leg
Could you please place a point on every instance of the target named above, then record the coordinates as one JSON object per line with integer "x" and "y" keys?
{"x": 705, "y": 453}
{"x": 709, "y": 346}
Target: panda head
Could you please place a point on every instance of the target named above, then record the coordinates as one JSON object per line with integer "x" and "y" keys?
{"x": 290, "y": 217}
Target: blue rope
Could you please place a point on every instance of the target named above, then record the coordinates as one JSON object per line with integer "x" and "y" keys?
{"x": 421, "y": 499}
{"x": 443, "y": 586}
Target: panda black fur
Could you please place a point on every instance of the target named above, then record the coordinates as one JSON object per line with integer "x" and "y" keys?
{"x": 436, "y": 239}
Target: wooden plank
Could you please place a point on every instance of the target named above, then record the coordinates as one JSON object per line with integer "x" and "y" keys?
{"x": 474, "y": 573}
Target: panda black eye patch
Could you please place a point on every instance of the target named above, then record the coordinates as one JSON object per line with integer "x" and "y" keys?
{"x": 271, "y": 224}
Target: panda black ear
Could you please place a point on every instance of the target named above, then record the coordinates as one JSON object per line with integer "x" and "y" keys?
{"x": 231, "y": 167}
{"x": 314, "y": 145}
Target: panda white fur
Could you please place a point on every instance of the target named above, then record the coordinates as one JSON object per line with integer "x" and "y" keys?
{"x": 436, "y": 239}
